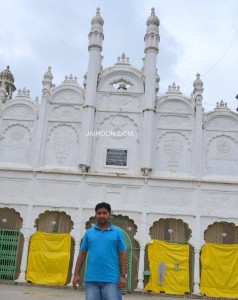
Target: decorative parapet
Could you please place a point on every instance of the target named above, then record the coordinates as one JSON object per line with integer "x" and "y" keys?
{"x": 221, "y": 106}
{"x": 70, "y": 80}
{"x": 123, "y": 60}
{"x": 173, "y": 89}
{"x": 23, "y": 94}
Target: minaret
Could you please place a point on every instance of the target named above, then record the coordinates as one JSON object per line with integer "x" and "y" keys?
{"x": 151, "y": 50}
{"x": 43, "y": 108}
{"x": 7, "y": 79}
{"x": 198, "y": 96}
{"x": 94, "y": 67}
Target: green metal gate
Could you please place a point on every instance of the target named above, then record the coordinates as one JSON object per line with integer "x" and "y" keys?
{"x": 129, "y": 259}
{"x": 11, "y": 244}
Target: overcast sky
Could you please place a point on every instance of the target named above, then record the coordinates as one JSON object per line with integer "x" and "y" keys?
{"x": 196, "y": 36}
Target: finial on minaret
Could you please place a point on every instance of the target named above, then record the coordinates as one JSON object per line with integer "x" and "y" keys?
{"x": 198, "y": 89}
{"x": 153, "y": 19}
{"x": 47, "y": 81}
{"x": 97, "y": 20}
{"x": 96, "y": 34}
{"x": 152, "y": 33}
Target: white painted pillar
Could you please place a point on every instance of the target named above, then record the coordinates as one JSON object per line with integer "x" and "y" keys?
{"x": 41, "y": 122}
{"x": 196, "y": 286}
{"x": 140, "y": 284}
{"x": 22, "y": 276}
{"x": 198, "y": 136}
{"x": 143, "y": 239}
{"x": 89, "y": 109}
{"x": 150, "y": 74}
{"x": 76, "y": 253}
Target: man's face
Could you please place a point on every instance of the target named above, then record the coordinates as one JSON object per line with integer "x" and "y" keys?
{"x": 103, "y": 216}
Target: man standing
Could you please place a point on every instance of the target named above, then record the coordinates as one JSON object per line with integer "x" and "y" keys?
{"x": 106, "y": 265}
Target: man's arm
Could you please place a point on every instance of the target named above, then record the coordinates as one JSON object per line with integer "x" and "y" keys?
{"x": 123, "y": 264}
{"x": 79, "y": 263}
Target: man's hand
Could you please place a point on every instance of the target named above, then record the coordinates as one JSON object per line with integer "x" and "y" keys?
{"x": 76, "y": 280}
{"x": 122, "y": 282}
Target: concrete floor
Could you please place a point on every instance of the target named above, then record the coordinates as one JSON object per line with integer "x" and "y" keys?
{"x": 19, "y": 292}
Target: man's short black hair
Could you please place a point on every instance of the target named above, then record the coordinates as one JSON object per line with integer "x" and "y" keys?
{"x": 103, "y": 205}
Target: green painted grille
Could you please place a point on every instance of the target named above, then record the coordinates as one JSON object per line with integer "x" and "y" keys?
{"x": 9, "y": 241}
{"x": 129, "y": 259}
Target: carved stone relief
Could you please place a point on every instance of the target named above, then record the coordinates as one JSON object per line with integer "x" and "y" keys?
{"x": 117, "y": 102}
{"x": 66, "y": 112}
{"x": 222, "y": 155}
{"x": 19, "y": 112}
{"x": 174, "y": 152}
{"x": 174, "y": 106}
{"x": 15, "y": 144}
{"x": 223, "y": 123}
{"x": 67, "y": 96}
{"x": 120, "y": 127}
{"x": 168, "y": 121}
{"x": 62, "y": 140}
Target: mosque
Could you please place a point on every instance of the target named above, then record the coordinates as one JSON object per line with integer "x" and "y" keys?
{"x": 168, "y": 169}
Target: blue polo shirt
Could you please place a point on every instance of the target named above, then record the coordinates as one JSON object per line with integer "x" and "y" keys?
{"x": 103, "y": 257}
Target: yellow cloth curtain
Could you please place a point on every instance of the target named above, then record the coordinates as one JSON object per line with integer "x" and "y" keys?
{"x": 48, "y": 258}
{"x": 169, "y": 267}
{"x": 219, "y": 276}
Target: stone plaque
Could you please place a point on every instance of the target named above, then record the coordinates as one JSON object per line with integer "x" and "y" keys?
{"x": 116, "y": 157}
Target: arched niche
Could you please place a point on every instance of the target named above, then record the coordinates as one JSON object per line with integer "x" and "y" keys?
{"x": 170, "y": 229}
{"x": 221, "y": 233}
{"x": 54, "y": 222}
{"x": 10, "y": 219}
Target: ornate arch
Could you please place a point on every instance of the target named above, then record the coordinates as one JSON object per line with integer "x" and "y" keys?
{"x": 221, "y": 233}
{"x": 10, "y": 219}
{"x": 170, "y": 229}
{"x": 54, "y": 222}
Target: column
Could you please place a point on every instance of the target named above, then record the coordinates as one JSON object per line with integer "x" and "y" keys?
{"x": 150, "y": 73}
{"x": 140, "y": 285}
{"x": 40, "y": 130}
{"x": 89, "y": 109}
{"x": 22, "y": 276}
{"x": 196, "y": 289}
{"x": 198, "y": 136}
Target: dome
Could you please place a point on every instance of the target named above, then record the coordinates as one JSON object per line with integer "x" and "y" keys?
{"x": 7, "y": 75}
{"x": 97, "y": 19}
{"x": 153, "y": 19}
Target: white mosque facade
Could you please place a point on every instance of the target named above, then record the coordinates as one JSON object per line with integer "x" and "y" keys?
{"x": 168, "y": 169}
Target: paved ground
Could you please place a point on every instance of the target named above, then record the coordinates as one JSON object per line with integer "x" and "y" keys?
{"x": 14, "y": 292}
